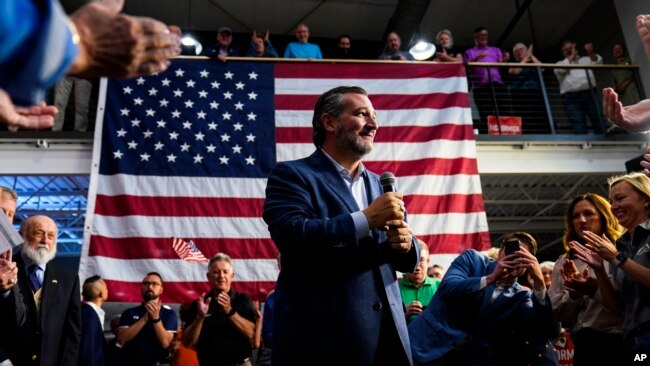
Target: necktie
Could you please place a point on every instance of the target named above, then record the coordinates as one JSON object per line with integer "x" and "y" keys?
{"x": 33, "y": 277}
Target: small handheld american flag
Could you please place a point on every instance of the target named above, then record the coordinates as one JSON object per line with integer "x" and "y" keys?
{"x": 188, "y": 251}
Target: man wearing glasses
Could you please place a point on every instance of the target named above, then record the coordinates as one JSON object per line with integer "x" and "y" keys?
{"x": 147, "y": 330}
{"x": 39, "y": 300}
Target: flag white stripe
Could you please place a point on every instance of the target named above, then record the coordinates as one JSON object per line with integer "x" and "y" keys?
{"x": 152, "y": 186}
{"x": 146, "y": 185}
{"x": 387, "y": 117}
{"x": 414, "y": 86}
{"x": 439, "y": 184}
{"x": 242, "y": 228}
{"x": 448, "y": 223}
{"x": 192, "y": 227}
{"x": 393, "y": 151}
{"x": 131, "y": 270}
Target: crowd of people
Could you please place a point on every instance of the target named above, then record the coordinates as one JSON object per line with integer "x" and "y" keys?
{"x": 499, "y": 309}
{"x": 515, "y": 91}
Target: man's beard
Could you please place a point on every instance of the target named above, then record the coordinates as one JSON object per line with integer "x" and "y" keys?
{"x": 40, "y": 254}
{"x": 149, "y": 295}
{"x": 349, "y": 141}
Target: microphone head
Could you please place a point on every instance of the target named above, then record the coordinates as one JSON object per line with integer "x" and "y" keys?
{"x": 387, "y": 180}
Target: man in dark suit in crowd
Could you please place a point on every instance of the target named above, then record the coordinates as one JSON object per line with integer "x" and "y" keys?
{"x": 93, "y": 343}
{"x": 39, "y": 305}
{"x": 341, "y": 242}
{"x": 480, "y": 315}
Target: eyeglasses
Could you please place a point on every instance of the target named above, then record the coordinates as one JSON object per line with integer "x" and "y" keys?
{"x": 154, "y": 284}
{"x": 40, "y": 234}
{"x": 568, "y": 49}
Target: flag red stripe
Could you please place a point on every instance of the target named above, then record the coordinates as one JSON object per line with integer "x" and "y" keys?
{"x": 161, "y": 248}
{"x": 180, "y": 292}
{"x": 381, "y": 101}
{"x": 362, "y": 71}
{"x": 287, "y": 135}
{"x": 124, "y": 205}
{"x": 459, "y": 203}
{"x": 430, "y": 166}
{"x": 447, "y": 243}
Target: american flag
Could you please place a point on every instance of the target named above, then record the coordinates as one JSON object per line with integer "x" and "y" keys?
{"x": 186, "y": 153}
{"x": 187, "y": 251}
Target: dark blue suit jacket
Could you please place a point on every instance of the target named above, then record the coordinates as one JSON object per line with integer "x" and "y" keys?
{"x": 333, "y": 287}
{"x": 512, "y": 329}
{"x": 54, "y": 340}
{"x": 93, "y": 342}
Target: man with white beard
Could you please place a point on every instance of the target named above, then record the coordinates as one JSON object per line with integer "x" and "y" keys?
{"x": 40, "y": 304}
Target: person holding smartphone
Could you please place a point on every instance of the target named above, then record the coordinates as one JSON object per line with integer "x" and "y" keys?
{"x": 481, "y": 315}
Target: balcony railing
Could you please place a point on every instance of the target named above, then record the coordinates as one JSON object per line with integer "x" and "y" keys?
{"x": 533, "y": 95}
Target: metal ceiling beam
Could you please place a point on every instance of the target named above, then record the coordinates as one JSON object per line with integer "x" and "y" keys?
{"x": 406, "y": 20}
{"x": 513, "y": 22}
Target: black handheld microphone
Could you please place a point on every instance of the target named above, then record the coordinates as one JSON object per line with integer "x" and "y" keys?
{"x": 387, "y": 180}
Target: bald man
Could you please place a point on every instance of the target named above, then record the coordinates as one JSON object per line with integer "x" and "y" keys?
{"x": 39, "y": 305}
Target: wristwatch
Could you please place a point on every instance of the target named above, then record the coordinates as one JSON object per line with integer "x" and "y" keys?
{"x": 155, "y": 320}
{"x": 231, "y": 312}
{"x": 621, "y": 258}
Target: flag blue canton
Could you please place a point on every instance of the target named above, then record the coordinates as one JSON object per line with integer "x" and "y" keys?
{"x": 198, "y": 118}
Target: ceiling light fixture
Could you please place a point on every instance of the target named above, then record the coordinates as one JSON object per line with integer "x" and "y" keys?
{"x": 422, "y": 50}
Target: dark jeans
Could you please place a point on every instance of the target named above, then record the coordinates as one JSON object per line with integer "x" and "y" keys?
{"x": 577, "y": 104}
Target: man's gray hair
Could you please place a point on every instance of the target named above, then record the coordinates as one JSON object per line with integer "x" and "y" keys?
{"x": 223, "y": 257}
{"x": 331, "y": 102}
{"x": 447, "y": 32}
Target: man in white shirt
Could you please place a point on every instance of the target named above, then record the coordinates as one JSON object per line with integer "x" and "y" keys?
{"x": 578, "y": 88}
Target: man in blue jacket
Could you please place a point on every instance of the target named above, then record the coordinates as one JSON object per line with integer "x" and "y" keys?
{"x": 481, "y": 315}
{"x": 341, "y": 242}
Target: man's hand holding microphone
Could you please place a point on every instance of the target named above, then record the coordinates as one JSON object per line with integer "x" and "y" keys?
{"x": 387, "y": 213}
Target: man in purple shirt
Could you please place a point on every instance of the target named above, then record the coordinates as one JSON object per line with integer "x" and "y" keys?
{"x": 486, "y": 81}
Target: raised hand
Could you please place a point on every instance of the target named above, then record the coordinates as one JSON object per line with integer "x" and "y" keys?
{"x": 632, "y": 118}
{"x": 526, "y": 260}
{"x": 203, "y": 305}
{"x": 153, "y": 308}
{"x": 8, "y": 272}
{"x": 35, "y": 117}
{"x": 592, "y": 259}
{"x": 580, "y": 284}
{"x": 224, "y": 301}
{"x": 120, "y": 46}
{"x": 600, "y": 245}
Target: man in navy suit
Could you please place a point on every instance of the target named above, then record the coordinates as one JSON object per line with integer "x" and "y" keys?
{"x": 40, "y": 305}
{"x": 481, "y": 315}
{"x": 341, "y": 242}
{"x": 93, "y": 343}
